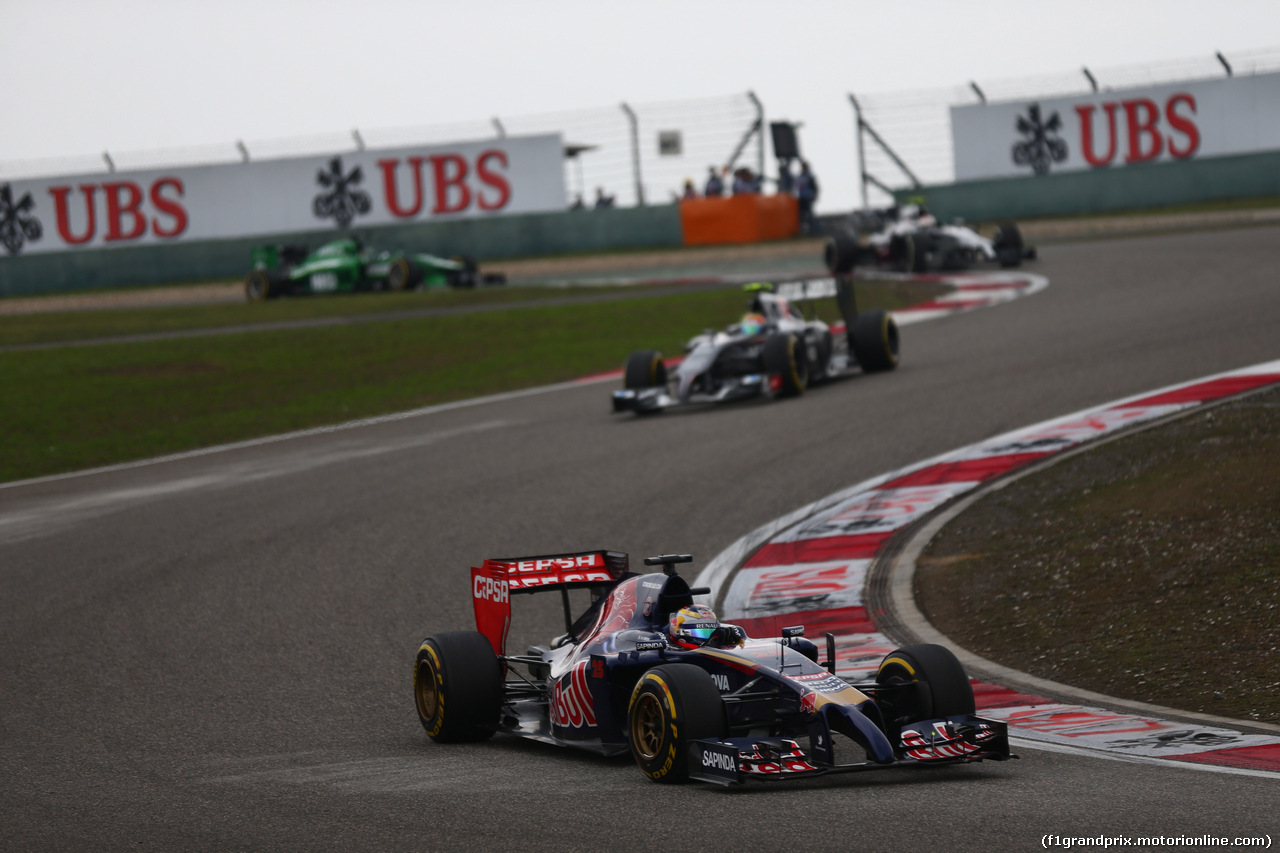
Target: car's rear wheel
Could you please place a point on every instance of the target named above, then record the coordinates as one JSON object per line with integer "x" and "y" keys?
{"x": 457, "y": 687}
{"x": 672, "y": 706}
{"x": 1008, "y": 245}
{"x": 786, "y": 360}
{"x": 874, "y": 339}
{"x": 922, "y": 682}
{"x": 644, "y": 369}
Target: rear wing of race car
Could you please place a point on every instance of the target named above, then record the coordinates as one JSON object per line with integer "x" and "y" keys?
{"x": 494, "y": 582}
{"x": 839, "y": 287}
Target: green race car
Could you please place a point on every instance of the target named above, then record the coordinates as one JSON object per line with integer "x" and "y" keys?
{"x": 344, "y": 266}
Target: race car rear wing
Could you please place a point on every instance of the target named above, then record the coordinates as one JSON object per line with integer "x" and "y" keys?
{"x": 493, "y": 584}
{"x": 840, "y": 287}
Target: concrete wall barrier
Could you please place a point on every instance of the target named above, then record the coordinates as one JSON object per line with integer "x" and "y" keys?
{"x": 488, "y": 238}
{"x": 1103, "y": 190}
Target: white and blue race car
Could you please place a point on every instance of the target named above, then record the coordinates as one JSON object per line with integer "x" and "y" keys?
{"x": 774, "y": 350}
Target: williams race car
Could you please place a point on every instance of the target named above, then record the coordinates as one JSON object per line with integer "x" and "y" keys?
{"x": 645, "y": 670}
{"x": 774, "y": 350}
{"x": 343, "y": 266}
{"x": 910, "y": 239}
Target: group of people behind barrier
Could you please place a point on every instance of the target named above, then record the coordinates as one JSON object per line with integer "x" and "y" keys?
{"x": 803, "y": 185}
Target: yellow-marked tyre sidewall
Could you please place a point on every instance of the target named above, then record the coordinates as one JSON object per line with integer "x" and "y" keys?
{"x": 874, "y": 340}
{"x": 781, "y": 357}
{"x": 399, "y": 281}
{"x": 665, "y": 765}
{"x": 458, "y": 687}
{"x": 683, "y": 705}
{"x": 429, "y": 697}
{"x": 257, "y": 286}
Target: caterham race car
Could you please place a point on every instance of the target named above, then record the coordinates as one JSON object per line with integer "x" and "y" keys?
{"x": 343, "y": 266}
{"x": 910, "y": 239}
{"x": 774, "y": 350}
{"x": 647, "y": 671}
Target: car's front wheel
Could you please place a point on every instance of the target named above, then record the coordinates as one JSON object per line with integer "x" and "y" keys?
{"x": 645, "y": 369}
{"x": 785, "y": 361}
{"x": 457, "y": 687}
{"x": 922, "y": 682}
{"x": 672, "y": 706}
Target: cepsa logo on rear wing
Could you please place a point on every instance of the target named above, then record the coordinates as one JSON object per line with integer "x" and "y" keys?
{"x": 526, "y": 574}
{"x": 493, "y": 584}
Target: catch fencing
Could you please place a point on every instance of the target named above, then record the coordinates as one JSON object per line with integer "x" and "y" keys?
{"x": 631, "y": 153}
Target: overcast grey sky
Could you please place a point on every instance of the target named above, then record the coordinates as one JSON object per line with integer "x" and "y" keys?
{"x": 83, "y": 76}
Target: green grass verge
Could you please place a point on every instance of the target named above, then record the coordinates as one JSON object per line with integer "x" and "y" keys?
{"x": 78, "y": 407}
{"x": 60, "y": 326}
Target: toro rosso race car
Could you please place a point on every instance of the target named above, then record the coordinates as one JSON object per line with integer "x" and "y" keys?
{"x": 774, "y": 351}
{"x": 910, "y": 239}
{"x": 644, "y": 670}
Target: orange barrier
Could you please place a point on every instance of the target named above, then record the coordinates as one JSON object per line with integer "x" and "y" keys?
{"x": 746, "y": 218}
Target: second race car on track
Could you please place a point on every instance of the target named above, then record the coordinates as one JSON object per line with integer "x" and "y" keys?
{"x": 645, "y": 670}
{"x": 910, "y": 239}
{"x": 343, "y": 266}
{"x": 773, "y": 350}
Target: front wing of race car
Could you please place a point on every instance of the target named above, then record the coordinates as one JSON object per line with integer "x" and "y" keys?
{"x": 643, "y": 400}
{"x": 951, "y": 740}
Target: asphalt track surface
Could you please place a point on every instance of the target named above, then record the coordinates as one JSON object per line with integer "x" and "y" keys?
{"x": 215, "y": 652}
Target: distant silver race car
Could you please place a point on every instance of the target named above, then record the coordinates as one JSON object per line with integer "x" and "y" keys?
{"x": 774, "y": 350}
{"x": 910, "y": 239}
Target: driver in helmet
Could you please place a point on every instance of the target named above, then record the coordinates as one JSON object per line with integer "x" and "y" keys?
{"x": 696, "y": 625}
{"x": 752, "y": 323}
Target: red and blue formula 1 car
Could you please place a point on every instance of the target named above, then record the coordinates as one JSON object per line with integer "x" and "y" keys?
{"x": 725, "y": 708}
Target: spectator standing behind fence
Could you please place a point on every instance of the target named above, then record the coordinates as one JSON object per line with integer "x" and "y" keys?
{"x": 690, "y": 191}
{"x": 715, "y": 186}
{"x": 745, "y": 181}
{"x": 806, "y": 195}
{"x": 603, "y": 200}
{"x": 786, "y": 180}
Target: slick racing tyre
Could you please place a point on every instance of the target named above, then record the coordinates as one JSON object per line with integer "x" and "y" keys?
{"x": 457, "y": 686}
{"x": 672, "y": 706}
{"x": 925, "y": 682}
{"x": 399, "y": 275}
{"x": 1008, "y": 245}
{"x": 907, "y": 253}
{"x": 786, "y": 360}
{"x": 261, "y": 285}
{"x": 840, "y": 252}
{"x": 874, "y": 341}
{"x": 645, "y": 370}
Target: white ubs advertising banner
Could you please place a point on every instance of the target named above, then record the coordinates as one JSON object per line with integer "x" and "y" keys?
{"x": 351, "y": 190}
{"x": 1205, "y": 118}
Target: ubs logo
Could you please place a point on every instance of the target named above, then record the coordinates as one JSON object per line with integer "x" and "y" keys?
{"x": 17, "y": 225}
{"x": 342, "y": 201}
{"x": 1041, "y": 144}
